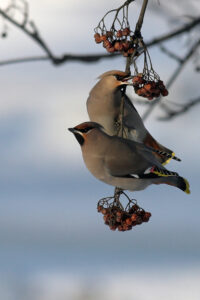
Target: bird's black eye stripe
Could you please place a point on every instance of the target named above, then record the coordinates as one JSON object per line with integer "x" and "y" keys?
{"x": 84, "y": 130}
{"x": 118, "y": 77}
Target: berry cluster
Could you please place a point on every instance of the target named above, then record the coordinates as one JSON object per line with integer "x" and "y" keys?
{"x": 117, "y": 41}
{"x": 149, "y": 89}
{"x": 118, "y": 218}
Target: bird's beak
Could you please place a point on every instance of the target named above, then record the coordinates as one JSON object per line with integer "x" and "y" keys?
{"x": 78, "y": 135}
{"x": 72, "y": 129}
{"x": 75, "y": 131}
{"x": 125, "y": 80}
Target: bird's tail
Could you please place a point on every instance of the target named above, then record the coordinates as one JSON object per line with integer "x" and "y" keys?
{"x": 177, "y": 181}
{"x": 163, "y": 154}
{"x": 159, "y": 176}
{"x": 168, "y": 156}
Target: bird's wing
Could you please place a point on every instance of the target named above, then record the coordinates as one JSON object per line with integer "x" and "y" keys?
{"x": 132, "y": 118}
{"x": 134, "y": 123}
{"x": 126, "y": 157}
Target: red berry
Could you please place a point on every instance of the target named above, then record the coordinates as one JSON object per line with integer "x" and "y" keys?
{"x": 120, "y": 228}
{"x": 139, "y": 221}
{"x": 134, "y": 218}
{"x": 130, "y": 51}
{"x": 126, "y": 45}
{"x": 96, "y": 35}
{"x": 150, "y": 98}
{"x": 98, "y": 40}
{"x": 104, "y": 211}
{"x": 106, "y": 217}
{"x": 155, "y": 92}
{"x": 125, "y": 54}
{"x": 146, "y": 217}
{"x": 164, "y": 93}
{"x": 153, "y": 84}
{"x": 99, "y": 208}
{"x": 117, "y": 46}
{"x": 125, "y": 227}
{"x": 110, "y": 49}
{"x": 107, "y": 44}
{"x": 103, "y": 37}
{"x": 139, "y": 79}
{"x": 136, "y": 80}
{"x": 109, "y": 34}
{"x": 119, "y": 213}
{"x": 119, "y": 33}
{"x": 128, "y": 221}
{"x": 113, "y": 227}
{"x": 141, "y": 92}
{"x": 148, "y": 86}
{"x": 126, "y": 31}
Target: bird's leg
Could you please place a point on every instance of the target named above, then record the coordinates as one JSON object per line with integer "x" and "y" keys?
{"x": 117, "y": 194}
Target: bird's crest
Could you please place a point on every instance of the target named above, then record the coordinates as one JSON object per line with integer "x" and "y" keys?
{"x": 86, "y": 126}
{"x": 113, "y": 72}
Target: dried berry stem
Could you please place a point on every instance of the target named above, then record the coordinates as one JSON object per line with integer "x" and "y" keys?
{"x": 116, "y": 10}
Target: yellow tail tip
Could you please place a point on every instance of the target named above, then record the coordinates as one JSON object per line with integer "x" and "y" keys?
{"x": 168, "y": 160}
{"x": 187, "y": 190}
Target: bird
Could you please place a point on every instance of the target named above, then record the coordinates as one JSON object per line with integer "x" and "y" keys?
{"x": 104, "y": 106}
{"x": 120, "y": 162}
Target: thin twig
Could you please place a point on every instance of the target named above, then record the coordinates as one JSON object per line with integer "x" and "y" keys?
{"x": 90, "y": 58}
{"x": 68, "y": 57}
{"x": 33, "y": 35}
{"x": 174, "y": 33}
{"x": 171, "y": 54}
{"x": 65, "y": 58}
{"x": 172, "y": 113}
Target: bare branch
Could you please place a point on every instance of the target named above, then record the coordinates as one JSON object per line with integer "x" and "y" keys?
{"x": 186, "y": 28}
{"x": 69, "y": 57}
{"x": 87, "y": 58}
{"x": 172, "y": 113}
{"x": 171, "y": 54}
{"x": 34, "y": 35}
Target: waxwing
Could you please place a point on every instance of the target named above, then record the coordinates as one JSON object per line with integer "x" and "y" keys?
{"x": 126, "y": 164}
{"x": 104, "y": 107}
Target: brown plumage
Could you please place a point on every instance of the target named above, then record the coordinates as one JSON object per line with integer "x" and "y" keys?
{"x": 104, "y": 107}
{"x": 120, "y": 162}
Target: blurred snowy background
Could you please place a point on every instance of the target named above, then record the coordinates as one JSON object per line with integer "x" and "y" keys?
{"x": 53, "y": 243}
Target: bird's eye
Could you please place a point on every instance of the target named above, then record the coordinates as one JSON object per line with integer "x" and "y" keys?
{"x": 84, "y": 130}
{"x": 118, "y": 77}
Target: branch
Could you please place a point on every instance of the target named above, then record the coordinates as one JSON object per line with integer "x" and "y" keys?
{"x": 172, "y": 113}
{"x": 175, "y": 33}
{"x": 141, "y": 17}
{"x": 87, "y": 58}
{"x": 59, "y": 60}
{"x": 138, "y": 28}
{"x": 173, "y": 77}
{"x": 171, "y": 54}
{"x": 33, "y": 35}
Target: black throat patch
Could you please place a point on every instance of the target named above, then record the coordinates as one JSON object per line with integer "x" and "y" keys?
{"x": 79, "y": 138}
